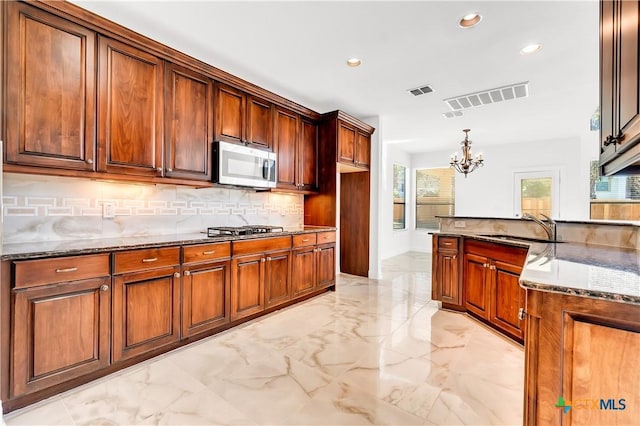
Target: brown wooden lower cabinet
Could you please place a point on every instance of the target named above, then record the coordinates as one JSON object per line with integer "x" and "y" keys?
{"x": 491, "y": 284}
{"x": 206, "y": 287}
{"x": 60, "y": 332}
{"x": 146, "y": 303}
{"x": 482, "y": 278}
{"x": 584, "y": 351}
{"x": 313, "y": 264}
{"x": 446, "y": 285}
{"x": 71, "y": 318}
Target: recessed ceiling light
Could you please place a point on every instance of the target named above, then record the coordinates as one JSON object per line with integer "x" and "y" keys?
{"x": 532, "y": 48}
{"x": 354, "y": 62}
{"x": 469, "y": 20}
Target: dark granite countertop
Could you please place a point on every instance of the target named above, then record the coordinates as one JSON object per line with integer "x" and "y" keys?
{"x": 37, "y": 249}
{"x": 588, "y": 270}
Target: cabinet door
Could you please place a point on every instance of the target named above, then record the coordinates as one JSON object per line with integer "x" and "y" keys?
{"x": 476, "y": 284}
{"x": 285, "y": 144}
{"x": 607, "y": 82}
{"x": 189, "y": 124}
{"x": 247, "y": 285}
{"x": 277, "y": 282}
{"x": 51, "y": 83}
{"x": 308, "y": 156}
{"x": 507, "y": 297}
{"x": 303, "y": 270}
{"x": 59, "y": 332}
{"x": 146, "y": 308}
{"x": 629, "y": 75}
{"x": 447, "y": 277}
{"x": 259, "y": 122}
{"x": 205, "y": 297}
{"x": 326, "y": 268}
{"x": 346, "y": 143}
{"x": 230, "y": 114}
{"x": 362, "y": 150}
{"x": 130, "y": 112}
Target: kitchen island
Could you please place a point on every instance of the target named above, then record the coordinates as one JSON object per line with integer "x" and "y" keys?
{"x": 581, "y": 316}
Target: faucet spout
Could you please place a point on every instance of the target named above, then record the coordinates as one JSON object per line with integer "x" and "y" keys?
{"x": 549, "y": 226}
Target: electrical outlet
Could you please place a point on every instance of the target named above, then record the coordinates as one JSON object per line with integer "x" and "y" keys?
{"x": 108, "y": 210}
{"x": 460, "y": 224}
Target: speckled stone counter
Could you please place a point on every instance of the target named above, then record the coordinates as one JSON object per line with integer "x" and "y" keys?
{"x": 589, "y": 270}
{"x": 33, "y": 250}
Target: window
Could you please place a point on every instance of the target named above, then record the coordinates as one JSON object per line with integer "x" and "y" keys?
{"x": 435, "y": 196}
{"x": 615, "y": 197}
{"x": 399, "y": 197}
{"x": 536, "y": 193}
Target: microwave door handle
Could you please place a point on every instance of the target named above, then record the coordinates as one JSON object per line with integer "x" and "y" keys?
{"x": 265, "y": 169}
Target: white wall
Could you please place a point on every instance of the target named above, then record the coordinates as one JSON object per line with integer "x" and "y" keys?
{"x": 394, "y": 242}
{"x": 489, "y": 191}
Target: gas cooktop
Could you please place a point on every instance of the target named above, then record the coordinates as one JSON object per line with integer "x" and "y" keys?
{"x": 242, "y": 230}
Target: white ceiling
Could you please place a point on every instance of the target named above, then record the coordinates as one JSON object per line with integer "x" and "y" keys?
{"x": 299, "y": 50}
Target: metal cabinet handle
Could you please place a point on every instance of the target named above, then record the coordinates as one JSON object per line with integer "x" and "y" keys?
{"x": 176, "y": 275}
{"x": 159, "y": 169}
{"x": 493, "y": 267}
{"x": 149, "y": 260}
{"x": 263, "y": 260}
{"x": 104, "y": 287}
{"x": 187, "y": 273}
{"x": 268, "y": 259}
{"x": 304, "y": 240}
{"x": 169, "y": 170}
{"x": 318, "y": 250}
{"x": 522, "y": 314}
{"x": 67, "y": 270}
{"x": 208, "y": 252}
{"x": 453, "y": 257}
{"x": 89, "y": 161}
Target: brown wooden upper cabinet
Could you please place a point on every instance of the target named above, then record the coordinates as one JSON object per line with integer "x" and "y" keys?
{"x": 619, "y": 87}
{"x": 354, "y": 146}
{"x": 242, "y": 118}
{"x": 296, "y": 145}
{"x": 50, "y": 121}
{"x": 130, "y": 116}
{"x": 188, "y": 123}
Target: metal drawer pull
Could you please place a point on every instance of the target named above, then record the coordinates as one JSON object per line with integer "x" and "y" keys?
{"x": 208, "y": 252}
{"x": 104, "y": 287}
{"x": 149, "y": 260}
{"x": 67, "y": 270}
{"x": 263, "y": 260}
{"x": 187, "y": 273}
{"x": 176, "y": 274}
{"x": 269, "y": 259}
{"x": 522, "y": 314}
{"x": 304, "y": 240}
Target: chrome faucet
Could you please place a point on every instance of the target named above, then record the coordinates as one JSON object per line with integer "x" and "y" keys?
{"x": 549, "y": 225}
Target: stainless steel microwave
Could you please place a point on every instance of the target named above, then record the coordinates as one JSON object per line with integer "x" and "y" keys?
{"x": 241, "y": 165}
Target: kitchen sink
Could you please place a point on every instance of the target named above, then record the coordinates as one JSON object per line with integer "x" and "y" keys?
{"x": 516, "y": 238}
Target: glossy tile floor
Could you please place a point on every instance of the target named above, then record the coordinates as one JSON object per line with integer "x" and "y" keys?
{"x": 373, "y": 352}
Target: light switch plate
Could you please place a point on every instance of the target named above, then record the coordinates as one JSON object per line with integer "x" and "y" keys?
{"x": 459, "y": 224}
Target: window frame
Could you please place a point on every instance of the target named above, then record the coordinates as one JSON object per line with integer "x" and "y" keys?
{"x": 404, "y": 202}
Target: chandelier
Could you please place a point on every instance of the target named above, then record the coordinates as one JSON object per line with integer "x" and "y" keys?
{"x": 467, "y": 163}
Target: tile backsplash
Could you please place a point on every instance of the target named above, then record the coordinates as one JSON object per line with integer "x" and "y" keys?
{"x": 37, "y": 208}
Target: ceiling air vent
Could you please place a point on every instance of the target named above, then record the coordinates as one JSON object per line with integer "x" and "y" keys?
{"x": 490, "y": 96}
{"x": 420, "y": 90}
{"x": 452, "y": 114}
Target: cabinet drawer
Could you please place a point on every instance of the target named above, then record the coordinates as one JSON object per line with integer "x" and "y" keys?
{"x": 61, "y": 269}
{"x": 203, "y": 252}
{"x": 261, "y": 245}
{"x": 137, "y": 260}
{"x": 448, "y": 243}
{"x": 304, "y": 240}
{"x": 326, "y": 237}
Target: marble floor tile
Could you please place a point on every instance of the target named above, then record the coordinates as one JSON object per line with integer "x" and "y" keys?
{"x": 372, "y": 352}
